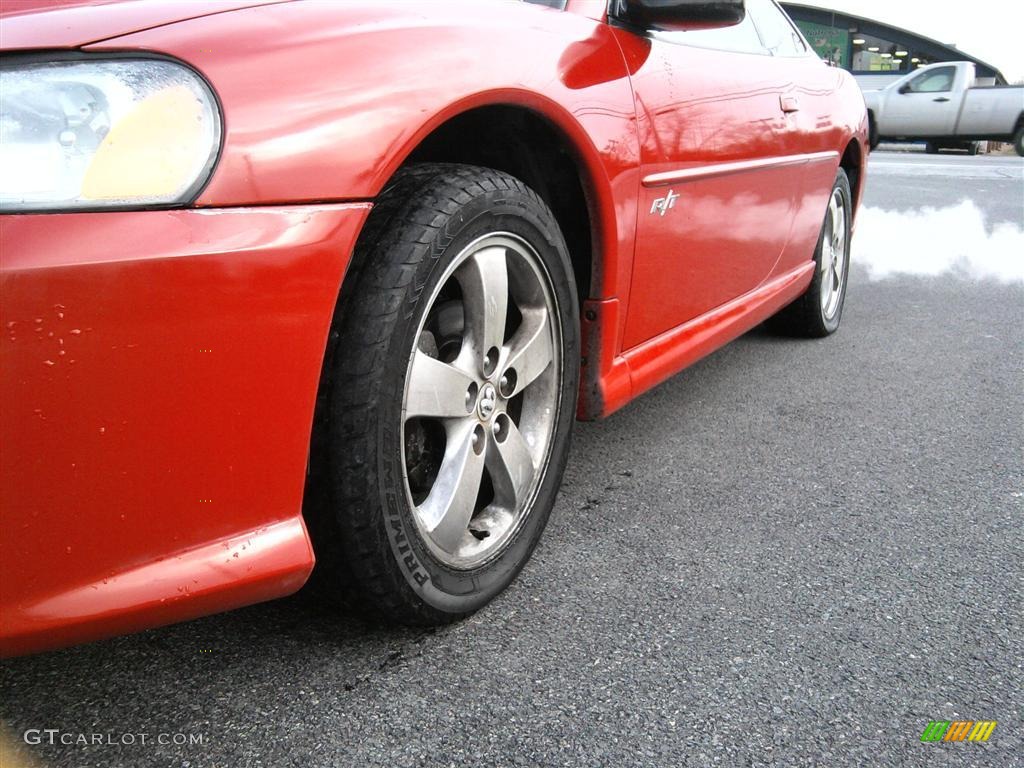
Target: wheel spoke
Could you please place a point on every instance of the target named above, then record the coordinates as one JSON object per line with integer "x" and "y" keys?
{"x": 436, "y": 389}
{"x": 827, "y": 280}
{"x": 448, "y": 508}
{"x": 529, "y": 350}
{"x": 484, "y": 282}
{"x": 840, "y": 237}
{"x": 510, "y": 465}
{"x": 839, "y": 246}
{"x": 836, "y": 220}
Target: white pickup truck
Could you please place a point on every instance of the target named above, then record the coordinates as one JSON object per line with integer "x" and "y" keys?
{"x": 939, "y": 104}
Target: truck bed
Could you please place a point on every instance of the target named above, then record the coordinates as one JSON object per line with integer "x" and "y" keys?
{"x": 990, "y": 109}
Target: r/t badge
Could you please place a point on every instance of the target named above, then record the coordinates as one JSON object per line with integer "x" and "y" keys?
{"x": 662, "y": 204}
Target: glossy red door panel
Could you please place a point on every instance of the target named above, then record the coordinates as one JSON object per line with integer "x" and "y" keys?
{"x": 827, "y": 121}
{"x": 159, "y": 371}
{"x": 706, "y": 238}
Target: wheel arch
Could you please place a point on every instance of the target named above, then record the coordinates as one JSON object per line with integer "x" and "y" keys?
{"x": 1019, "y": 124}
{"x": 584, "y": 208}
{"x": 873, "y": 137}
{"x": 852, "y": 161}
{"x": 536, "y": 140}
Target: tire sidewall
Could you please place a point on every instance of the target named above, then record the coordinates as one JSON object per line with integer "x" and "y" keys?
{"x": 439, "y": 586}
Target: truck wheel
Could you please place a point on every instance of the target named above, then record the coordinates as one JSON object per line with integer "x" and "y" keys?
{"x": 817, "y": 313}
{"x": 931, "y": 148}
{"x": 973, "y": 147}
{"x": 1018, "y": 141}
{"x": 453, "y": 394}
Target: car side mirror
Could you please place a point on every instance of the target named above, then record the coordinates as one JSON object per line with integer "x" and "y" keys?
{"x": 678, "y": 15}
{"x": 905, "y": 88}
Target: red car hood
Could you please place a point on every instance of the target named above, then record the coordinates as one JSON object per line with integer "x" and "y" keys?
{"x": 72, "y": 23}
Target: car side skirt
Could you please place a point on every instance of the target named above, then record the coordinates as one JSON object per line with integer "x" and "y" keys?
{"x": 610, "y": 386}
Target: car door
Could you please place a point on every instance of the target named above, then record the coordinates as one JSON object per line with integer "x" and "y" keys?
{"x": 924, "y": 105}
{"x": 718, "y": 186}
{"x": 810, "y": 102}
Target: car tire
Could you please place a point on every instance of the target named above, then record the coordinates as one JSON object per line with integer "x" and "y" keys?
{"x": 818, "y": 312}
{"x": 1018, "y": 141}
{"x": 453, "y": 394}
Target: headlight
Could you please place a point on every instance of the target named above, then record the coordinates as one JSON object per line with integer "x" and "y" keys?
{"x": 106, "y": 133}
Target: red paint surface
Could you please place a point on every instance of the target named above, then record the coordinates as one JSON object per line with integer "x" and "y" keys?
{"x": 159, "y": 372}
{"x": 30, "y": 24}
{"x": 182, "y": 426}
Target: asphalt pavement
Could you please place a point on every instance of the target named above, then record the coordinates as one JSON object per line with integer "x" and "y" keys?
{"x": 794, "y": 553}
{"x": 907, "y": 179}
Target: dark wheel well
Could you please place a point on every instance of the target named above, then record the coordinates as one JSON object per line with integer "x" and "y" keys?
{"x": 851, "y": 162}
{"x": 525, "y": 145}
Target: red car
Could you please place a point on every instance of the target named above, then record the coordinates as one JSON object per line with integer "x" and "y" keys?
{"x": 389, "y": 250}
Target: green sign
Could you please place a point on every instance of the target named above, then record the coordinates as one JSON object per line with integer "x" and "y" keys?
{"x": 830, "y": 43}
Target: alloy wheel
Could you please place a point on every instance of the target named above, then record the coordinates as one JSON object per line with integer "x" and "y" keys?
{"x": 833, "y": 255}
{"x": 481, "y": 399}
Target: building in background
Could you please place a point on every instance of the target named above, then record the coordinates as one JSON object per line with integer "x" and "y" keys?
{"x": 874, "y": 52}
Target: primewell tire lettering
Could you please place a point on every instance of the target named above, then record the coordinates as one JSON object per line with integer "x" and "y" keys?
{"x": 401, "y": 541}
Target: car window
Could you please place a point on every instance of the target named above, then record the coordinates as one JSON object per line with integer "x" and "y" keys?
{"x": 741, "y": 37}
{"x": 933, "y": 81}
{"x": 777, "y": 32}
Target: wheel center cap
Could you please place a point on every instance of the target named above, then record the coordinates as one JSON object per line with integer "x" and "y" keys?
{"x": 488, "y": 399}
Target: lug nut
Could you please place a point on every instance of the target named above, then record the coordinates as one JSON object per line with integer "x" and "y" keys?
{"x": 500, "y": 427}
{"x": 507, "y": 384}
{"x": 490, "y": 361}
{"x": 478, "y": 440}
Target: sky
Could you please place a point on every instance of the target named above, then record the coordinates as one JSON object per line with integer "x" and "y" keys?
{"x": 989, "y": 30}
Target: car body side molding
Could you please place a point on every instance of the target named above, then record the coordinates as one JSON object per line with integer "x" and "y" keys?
{"x": 725, "y": 169}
